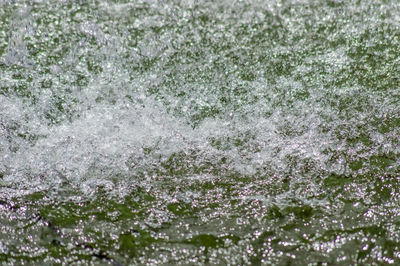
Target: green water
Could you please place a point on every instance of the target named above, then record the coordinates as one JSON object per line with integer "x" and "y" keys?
{"x": 199, "y": 132}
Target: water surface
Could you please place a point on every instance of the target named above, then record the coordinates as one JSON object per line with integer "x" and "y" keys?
{"x": 199, "y": 132}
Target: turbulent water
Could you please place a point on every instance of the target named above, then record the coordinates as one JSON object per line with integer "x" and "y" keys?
{"x": 200, "y": 132}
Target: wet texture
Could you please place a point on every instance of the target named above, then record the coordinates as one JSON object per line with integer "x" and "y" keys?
{"x": 199, "y": 132}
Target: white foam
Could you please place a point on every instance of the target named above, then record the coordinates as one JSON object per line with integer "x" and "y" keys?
{"x": 115, "y": 127}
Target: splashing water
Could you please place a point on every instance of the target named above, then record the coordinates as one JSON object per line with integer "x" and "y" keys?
{"x": 199, "y": 132}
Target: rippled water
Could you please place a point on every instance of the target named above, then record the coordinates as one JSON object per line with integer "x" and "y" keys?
{"x": 199, "y": 132}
